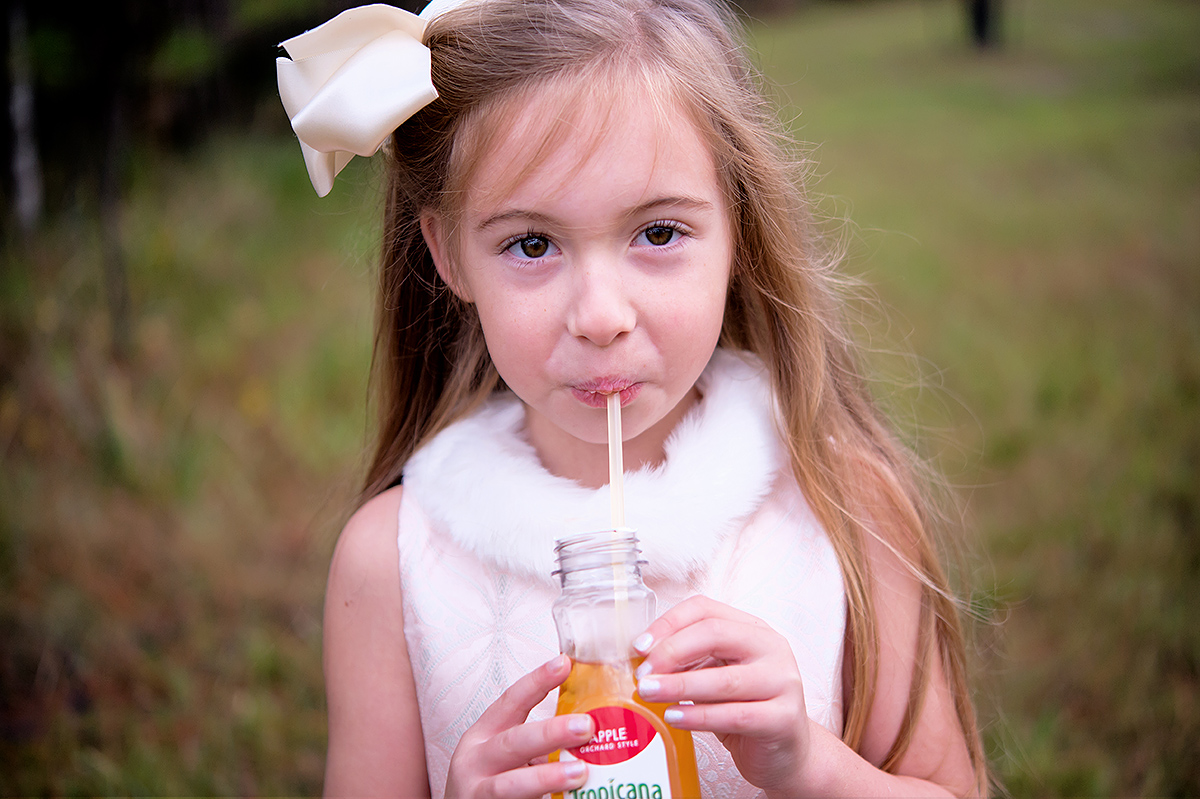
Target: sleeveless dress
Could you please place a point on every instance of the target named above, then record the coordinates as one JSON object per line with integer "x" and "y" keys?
{"x": 721, "y": 517}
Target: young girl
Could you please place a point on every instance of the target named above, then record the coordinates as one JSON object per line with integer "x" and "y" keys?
{"x": 589, "y": 197}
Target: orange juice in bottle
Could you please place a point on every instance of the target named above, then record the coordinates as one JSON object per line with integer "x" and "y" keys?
{"x": 603, "y": 606}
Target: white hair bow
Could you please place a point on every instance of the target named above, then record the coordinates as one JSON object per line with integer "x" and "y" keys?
{"x": 351, "y": 81}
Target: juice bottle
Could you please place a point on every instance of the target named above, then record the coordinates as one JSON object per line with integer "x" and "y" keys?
{"x": 603, "y": 606}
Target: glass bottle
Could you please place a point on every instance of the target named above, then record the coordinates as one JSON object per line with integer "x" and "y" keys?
{"x": 604, "y": 605}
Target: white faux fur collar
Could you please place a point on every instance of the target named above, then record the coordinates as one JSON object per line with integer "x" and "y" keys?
{"x": 482, "y": 482}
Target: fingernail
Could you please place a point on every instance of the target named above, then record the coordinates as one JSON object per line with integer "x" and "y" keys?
{"x": 573, "y": 769}
{"x": 642, "y": 671}
{"x": 579, "y": 724}
{"x": 554, "y": 664}
{"x": 649, "y": 687}
{"x": 672, "y": 715}
{"x": 643, "y": 642}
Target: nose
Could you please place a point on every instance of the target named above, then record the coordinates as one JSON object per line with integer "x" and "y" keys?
{"x": 600, "y": 309}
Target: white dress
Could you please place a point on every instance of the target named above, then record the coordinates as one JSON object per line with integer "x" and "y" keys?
{"x": 721, "y": 517}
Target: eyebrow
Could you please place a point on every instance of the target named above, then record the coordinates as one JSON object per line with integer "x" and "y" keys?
{"x": 689, "y": 203}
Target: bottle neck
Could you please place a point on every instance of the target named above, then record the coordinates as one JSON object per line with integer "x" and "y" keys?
{"x": 607, "y": 559}
{"x": 604, "y": 603}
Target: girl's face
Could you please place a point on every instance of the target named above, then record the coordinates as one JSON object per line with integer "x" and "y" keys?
{"x": 602, "y": 267}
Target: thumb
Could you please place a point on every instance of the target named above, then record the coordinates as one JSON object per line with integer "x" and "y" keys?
{"x": 513, "y": 706}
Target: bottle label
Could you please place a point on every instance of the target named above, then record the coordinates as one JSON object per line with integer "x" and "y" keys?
{"x": 627, "y": 758}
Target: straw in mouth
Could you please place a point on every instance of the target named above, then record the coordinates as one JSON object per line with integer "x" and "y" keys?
{"x": 616, "y": 462}
{"x": 616, "y": 495}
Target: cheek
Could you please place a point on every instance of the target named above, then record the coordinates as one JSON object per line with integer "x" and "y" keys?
{"x": 685, "y": 320}
{"x": 687, "y": 333}
{"x": 516, "y": 335}
{"x": 703, "y": 308}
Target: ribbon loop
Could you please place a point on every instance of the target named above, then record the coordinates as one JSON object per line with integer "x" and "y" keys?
{"x": 352, "y": 81}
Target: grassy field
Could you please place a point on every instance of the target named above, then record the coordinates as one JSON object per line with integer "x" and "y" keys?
{"x": 1033, "y": 218}
{"x": 1028, "y": 218}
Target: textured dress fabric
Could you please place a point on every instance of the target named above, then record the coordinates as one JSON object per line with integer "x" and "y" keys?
{"x": 720, "y": 517}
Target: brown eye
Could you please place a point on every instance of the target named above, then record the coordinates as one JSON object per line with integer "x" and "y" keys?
{"x": 534, "y": 246}
{"x": 660, "y": 235}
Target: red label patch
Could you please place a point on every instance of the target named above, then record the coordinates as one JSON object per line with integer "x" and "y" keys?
{"x": 620, "y": 734}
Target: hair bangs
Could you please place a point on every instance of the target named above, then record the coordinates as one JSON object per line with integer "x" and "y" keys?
{"x": 573, "y": 106}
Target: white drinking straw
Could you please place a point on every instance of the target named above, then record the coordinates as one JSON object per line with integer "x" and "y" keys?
{"x": 616, "y": 495}
{"x": 616, "y": 462}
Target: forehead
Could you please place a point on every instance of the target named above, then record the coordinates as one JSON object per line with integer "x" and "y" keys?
{"x": 558, "y": 135}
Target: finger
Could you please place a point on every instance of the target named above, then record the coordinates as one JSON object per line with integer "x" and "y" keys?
{"x": 518, "y": 745}
{"x": 687, "y": 612}
{"x": 751, "y": 719}
{"x": 714, "y": 638}
{"x": 513, "y": 706}
{"x": 536, "y": 781}
{"x": 735, "y": 683}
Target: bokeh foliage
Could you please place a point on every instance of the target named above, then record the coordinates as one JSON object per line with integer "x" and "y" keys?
{"x": 166, "y": 522}
{"x": 1030, "y": 215}
{"x": 1027, "y": 216}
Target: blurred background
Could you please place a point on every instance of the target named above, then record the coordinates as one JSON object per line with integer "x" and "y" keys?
{"x": 185, "y": 337}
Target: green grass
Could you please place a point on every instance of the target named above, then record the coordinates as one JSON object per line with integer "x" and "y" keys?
{"x": 1030, "y": 215}
{"x": 1026, "y": 216}
{"x": 165, "y": 524}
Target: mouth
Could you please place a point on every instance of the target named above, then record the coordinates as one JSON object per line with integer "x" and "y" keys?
{"x": 594, "y": 393}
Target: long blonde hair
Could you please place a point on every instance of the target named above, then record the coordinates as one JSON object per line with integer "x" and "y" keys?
{"x": 785, "y": 299}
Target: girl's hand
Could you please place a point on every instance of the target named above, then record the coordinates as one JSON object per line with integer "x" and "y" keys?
{"x": 502, "y": 757}
{"x": 744, "y": 682}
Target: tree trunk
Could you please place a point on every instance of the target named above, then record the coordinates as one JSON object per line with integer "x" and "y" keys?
{"x": 116, "y": 279}
{"x": 984, "y": 19}
{"x": 26, "y": 166}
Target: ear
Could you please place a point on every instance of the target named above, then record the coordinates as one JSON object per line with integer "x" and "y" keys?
{"x": 434, "y": 229}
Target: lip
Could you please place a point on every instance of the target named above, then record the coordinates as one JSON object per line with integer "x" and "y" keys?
{"x": 594, "y": 393}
